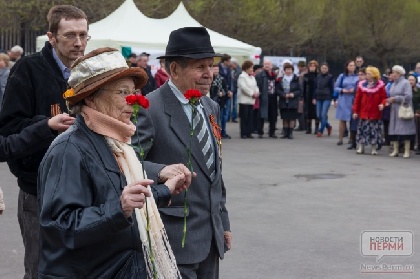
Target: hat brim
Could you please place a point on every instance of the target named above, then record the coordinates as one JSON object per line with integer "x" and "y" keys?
{"x": 192, "y": 55}
{"x": 138, "y": 74}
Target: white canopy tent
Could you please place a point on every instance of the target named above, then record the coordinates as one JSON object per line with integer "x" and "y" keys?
{"x": 127, "y": 26}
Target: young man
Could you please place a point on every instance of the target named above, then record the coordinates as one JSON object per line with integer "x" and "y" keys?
{"x": 34, "y": 93}
{"x": 189, "y": 60}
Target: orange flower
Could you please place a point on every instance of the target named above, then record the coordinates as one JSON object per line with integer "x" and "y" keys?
{"x": 69, "y": 93}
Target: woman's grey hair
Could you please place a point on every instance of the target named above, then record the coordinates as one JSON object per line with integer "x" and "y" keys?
{"x": 399, "y": 69}
{"x": 77, "y": 108}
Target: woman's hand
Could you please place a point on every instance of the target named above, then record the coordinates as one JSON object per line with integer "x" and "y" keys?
{"x": 60, "y": 122}
{"x": 381, "y": 107}
{"x": 355, "y": 115}
{"x": 390, "y": 100}
{"x": 256, "y": 95}
{"x": 134, "y": 196}
{"x": 335, "y": 103}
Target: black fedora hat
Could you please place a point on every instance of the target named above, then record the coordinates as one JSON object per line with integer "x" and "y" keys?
{"x": 190, "y": 42}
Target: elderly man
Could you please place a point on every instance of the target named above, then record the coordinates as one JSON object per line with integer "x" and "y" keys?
{"x": 189, "y": 59}
{"x": 15, "y": 53}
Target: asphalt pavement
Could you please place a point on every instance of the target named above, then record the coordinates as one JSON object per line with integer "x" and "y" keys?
{"x": 297, "y": 209}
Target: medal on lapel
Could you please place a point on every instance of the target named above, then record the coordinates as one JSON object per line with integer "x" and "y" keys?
{"x": 217, "y": 134}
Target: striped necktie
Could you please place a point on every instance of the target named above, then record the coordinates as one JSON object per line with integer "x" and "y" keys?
{"x": 204, "y": 141}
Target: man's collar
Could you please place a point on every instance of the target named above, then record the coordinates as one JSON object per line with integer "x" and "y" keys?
{"x": 64, "y": 70}
{"x": 178, "y": 93}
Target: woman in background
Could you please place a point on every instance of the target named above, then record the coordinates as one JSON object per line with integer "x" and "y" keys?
{"x": 370, "y": 94}
{"x": 309, "y": 88}
{"x": 400, "y": 129}
{"x": 247, "y": 94}
{"x": 322, "y": 98}
{"x": 344, "y": 89}
{"x": 161, "y": 75}
{"x": 289, "y": 91}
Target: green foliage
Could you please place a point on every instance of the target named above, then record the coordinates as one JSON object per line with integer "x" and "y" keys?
{"x": 376, "y": 28}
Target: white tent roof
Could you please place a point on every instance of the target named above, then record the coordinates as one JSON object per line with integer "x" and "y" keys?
{"x": 129, "y": 27}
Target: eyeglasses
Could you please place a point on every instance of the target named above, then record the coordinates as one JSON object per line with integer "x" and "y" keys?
{"x": 74, "y": 37}
{"x": 124, "y": 92}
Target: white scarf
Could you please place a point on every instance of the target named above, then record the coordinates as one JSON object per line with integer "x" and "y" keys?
{"x": 165, "y": 263}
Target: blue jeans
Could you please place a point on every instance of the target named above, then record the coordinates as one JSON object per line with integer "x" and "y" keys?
{"x": 224, "y": 116}
{"x": 235, "y": 105}
{"x": 322, "y": 107}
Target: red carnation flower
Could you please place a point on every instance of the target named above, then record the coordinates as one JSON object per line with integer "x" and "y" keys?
{"x": 192, "y": 95}
{"x": 131, "y": 99}
{"x": 143, "y": 101}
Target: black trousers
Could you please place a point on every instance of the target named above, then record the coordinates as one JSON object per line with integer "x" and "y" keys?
{"x": 272, "y": 116}
{"x": 246, "y": 122}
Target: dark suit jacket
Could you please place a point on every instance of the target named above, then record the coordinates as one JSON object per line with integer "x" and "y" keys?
{"x": 167, "y": 124}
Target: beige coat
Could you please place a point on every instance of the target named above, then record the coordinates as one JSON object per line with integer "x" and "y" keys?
{"x": 247, "y": 86}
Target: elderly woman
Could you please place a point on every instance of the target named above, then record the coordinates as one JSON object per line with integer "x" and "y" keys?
{"x": 247, "y": 93}
{"x": 400, "y": 129}
{"x": 4, "y": 73}
{"x": 289, "y": 90}
{"x": 369, "y": 95}
{"x": 344, "y": 89}
{"x": 91, "y": 186}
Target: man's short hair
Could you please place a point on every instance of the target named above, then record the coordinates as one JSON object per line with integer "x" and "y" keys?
{"x": 144, "y": 54}
{"x": 225, "y": 57}
{"x": 17, "y": 49}
{"x": 59, "y": 12}
{"x": 181, "y": 61}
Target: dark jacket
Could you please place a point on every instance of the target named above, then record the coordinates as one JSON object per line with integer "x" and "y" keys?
{"x": 324, "y": 87}
{"x": 35, "y": 85}
{"x": 215, "y": 89}
{"x": 84, "y": 233}
{"x": 227, "y": 76}
{"x": 235, "y": 75}
{"x": 262, "y": 83}
{"x": 32, "y": 138}
{"x": 151, "y": 83}
{"x": 285, "y": 103}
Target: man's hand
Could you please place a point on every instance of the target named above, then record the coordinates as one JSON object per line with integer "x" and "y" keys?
{"x": 134, "y": 196}
{"x": 355, "y": 115}
{"x": 230, "y": 94}
{"x": 60, "y": 122}
{"x": 228, "y": 239}
{"x": 314, "y": 101}
{"x": 176, "y": 184}
{"x": 171, "y": 171}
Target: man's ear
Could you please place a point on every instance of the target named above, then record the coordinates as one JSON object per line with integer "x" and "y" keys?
{"x": 51, "y": 38}
{"x": 174, "y": 70}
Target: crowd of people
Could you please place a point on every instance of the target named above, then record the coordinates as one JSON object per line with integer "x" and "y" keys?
{"x": 368, "y": 105}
